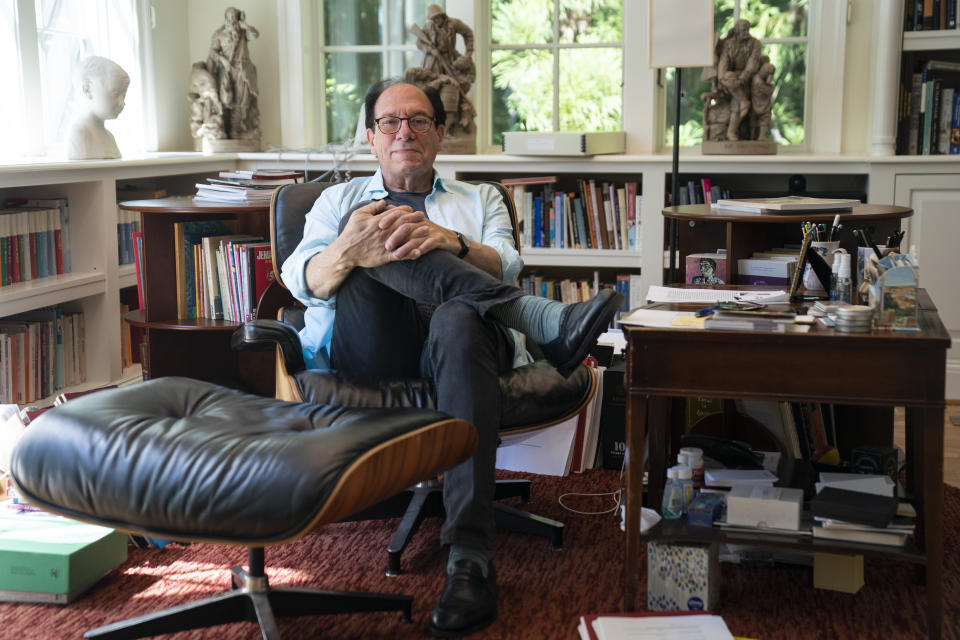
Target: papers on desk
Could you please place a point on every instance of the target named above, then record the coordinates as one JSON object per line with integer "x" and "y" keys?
{"x": 657, "y": 293}
{"x": 739, "y": 477}
{"x": 643, "y": 317}
{"x": 654, "y": 627}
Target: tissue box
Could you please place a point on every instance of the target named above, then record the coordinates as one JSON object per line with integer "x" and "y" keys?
{"x": 898, "y": 299}
{"x": 682, "y": 577}
{"x": 767, "y": 507}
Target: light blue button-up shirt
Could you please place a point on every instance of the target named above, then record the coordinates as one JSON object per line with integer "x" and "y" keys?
{"x": 476, "y": 211}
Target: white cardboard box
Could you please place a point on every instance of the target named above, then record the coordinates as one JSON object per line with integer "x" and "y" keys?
{"x": 563, "y": 143}
{"x": 682, "y": 577}
{"x": 767, "y": 507}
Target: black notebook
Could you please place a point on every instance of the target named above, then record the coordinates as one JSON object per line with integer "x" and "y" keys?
{"x": 854, "y": 506}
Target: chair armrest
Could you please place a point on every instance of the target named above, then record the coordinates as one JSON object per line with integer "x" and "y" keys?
{"x": 263, "y": 335}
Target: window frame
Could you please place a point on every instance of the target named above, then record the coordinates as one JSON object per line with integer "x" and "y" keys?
{"x": 643, "y": 113}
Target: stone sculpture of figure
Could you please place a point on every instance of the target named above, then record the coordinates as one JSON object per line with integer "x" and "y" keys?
{"x": 206, "y": 111}
{"x": 235, "y": 77}
{"x": 737, "y": 108}
{"x": 739, "y": 60}
{"x": 450, "y": 72}
{"x": 103, "y": 87}
{"x": 761, "y": 100}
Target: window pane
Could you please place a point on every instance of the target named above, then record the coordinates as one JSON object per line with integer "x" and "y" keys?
{"x": 60, "y": 55}
{"x": 400, "y": 61}
{"x": 11, "y": 114}
{"x": 67, "y": 16}
{"x": 591, "y": 82}
{"x": 404, "y": 14}
{"x": 590, "y": 21}
{"x": 351, "y": 23}
{"x": 692, "y": 89}
{"x": 776, "y": 18}
{"x": 348, "y": 77}
{"x": 789, "y": 81}
{"x": 521, "y": 21}
{"x": 522, "y": 91}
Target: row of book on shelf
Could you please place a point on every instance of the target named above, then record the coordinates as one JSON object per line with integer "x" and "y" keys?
{"x": 929, "y": 15}
{"x": 928, "y": 115}
{"x": 41, "y": 352}
{"x": 590, "y": 215}
{"x": 220, "y": 274}
{"x": 571, "y": 290}
{"x": 698, "y": 191}
{"x": 245, "y": 186}
{"x": 128, "y": 223}
{"x": 34, "y": 239}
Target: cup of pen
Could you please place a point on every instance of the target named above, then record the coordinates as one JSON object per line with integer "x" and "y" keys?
{"x": 827, "y": 250}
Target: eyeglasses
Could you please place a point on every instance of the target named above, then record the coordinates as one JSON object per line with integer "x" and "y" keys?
{"x": 391, "y": 124}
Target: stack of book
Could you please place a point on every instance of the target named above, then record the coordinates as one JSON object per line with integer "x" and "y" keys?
{"x": 243, "y": 186}
{"x": 855, "y": 516}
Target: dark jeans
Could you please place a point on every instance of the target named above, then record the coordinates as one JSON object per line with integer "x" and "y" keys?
{"x": 382, "y": 330}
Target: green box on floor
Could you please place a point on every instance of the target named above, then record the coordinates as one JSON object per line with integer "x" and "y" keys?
{"x": 45, "y": 558}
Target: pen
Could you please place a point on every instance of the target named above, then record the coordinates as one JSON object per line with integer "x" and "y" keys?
{"x": 870, "y": 243}
{"x": 708, "y": 311}
{"x": 834, "y": 227}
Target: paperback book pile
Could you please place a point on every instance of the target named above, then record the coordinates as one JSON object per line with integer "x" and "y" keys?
{"x": 243, "y": 186}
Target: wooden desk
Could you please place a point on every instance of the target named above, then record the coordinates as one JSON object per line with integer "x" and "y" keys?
{"x": 881, "y": 368}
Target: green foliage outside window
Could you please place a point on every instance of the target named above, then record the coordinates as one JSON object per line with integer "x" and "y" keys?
{"x": 770, "y": 19}
{"x": 590, "y": 79}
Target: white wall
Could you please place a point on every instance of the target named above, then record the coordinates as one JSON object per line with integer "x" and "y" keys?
{"x": 182, "y": 37}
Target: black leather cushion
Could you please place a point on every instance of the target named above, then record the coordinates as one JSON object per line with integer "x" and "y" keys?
{"x": 530, "y": 395}
{"x": 186, "y": 459}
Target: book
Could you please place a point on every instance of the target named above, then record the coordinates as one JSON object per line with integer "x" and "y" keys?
{"x": 854, "y": 506}
{"x": 263, "y": 174}
{"x": 653, "y": 625}
{"x": 46, "y": 558}
{"x": 706, "y": 268}
{"x": 787, "y": 204}
{"x": 868, "y": 536}
{"x": 185, "y": 236}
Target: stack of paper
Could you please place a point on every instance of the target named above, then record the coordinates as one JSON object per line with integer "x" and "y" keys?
{"x": 654, "y": 626}
{"x": 876, "y": 484}
{"x": 739, "y": 477}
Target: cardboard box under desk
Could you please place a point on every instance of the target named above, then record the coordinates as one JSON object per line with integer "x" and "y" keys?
{"x": 682, "y": 577}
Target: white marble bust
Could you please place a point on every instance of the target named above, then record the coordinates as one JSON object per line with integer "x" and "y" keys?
{"x": 103, "y": 87}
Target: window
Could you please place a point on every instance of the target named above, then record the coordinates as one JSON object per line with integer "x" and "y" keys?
{"x": 42, "y": 41}
{"x": 360, "y": 43}
{"x": 556, "y": 65}
{"x": 782, "y": 27}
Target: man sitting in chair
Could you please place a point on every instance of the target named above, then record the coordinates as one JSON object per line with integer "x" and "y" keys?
{"x": 409, "y": 275}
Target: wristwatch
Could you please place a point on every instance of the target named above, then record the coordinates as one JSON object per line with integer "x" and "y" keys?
{"x": 464, "y": 245}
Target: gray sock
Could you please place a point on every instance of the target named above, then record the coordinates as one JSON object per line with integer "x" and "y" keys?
{"x": 537, "y": 317}
{"x": 461, "y": 552}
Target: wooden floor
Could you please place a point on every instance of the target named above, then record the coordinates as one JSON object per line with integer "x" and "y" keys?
{"x": 951, "y": 441}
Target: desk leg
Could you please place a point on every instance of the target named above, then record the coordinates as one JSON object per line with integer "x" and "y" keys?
{"x": 636, "y": 434}
{"x": 924, "y": 429}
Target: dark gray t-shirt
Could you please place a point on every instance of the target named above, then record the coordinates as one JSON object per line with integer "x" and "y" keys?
{"x": 417, "y": 201}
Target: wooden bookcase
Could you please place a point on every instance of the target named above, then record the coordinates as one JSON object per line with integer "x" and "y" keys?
{"x": 199, "y": 347}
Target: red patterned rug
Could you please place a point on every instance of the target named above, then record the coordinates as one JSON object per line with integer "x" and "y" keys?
{"x": 542, "y": 592}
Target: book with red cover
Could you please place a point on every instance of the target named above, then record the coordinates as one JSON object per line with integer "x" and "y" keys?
{"x": 260, "y": 259}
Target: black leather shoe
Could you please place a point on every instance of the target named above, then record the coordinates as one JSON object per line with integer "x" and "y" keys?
{"x": 581, "y": 325}
{"x": 468, "y": 602}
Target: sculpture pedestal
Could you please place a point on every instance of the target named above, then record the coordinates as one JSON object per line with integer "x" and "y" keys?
{"x": 230, "y": 146}
{"x": 459, "y": 144}
{"x": 739, "y": 147}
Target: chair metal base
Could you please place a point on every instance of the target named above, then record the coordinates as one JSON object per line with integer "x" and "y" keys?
{"x": 427, "y": 502}
{"x": 252, "y": 599}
